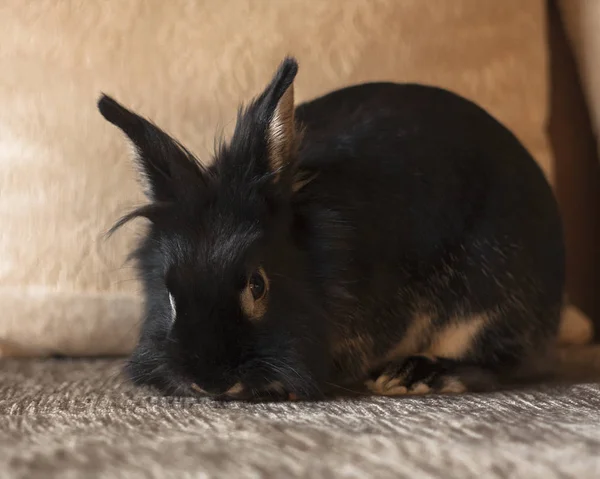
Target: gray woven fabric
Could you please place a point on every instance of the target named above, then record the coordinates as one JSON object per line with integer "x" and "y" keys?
{"x": 79, "y": 419}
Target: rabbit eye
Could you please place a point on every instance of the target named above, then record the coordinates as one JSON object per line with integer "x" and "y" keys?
{"x": 253, "y": 298}
{"x": 257, "y": 286}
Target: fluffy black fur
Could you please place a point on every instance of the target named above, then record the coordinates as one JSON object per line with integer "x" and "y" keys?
{"x": 397, "y": 201}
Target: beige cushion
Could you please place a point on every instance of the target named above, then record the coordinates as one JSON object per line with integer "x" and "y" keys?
{"x": 582, "y": 22}
{"x": 65, "y": 174}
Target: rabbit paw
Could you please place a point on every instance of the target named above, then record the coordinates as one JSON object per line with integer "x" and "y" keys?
{"x": 415, "y": 375}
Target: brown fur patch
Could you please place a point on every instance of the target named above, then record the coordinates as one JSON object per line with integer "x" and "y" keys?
{"x": 198, "y": 389}
{"x": 452, "y": 386}
{"x": 420, "y": 388}
{"x": 386, "y": 386}
{"x": 302, "y": 180}
{"x": 236, "y": 389}
{"x": 414, "y": 338}
{"x": 254, "y": 309}
{"x": 281, "y": 131}
{"x": 575, "y": 328}
{"x": 455, "y": 340}
{"x": 275, "y": 386}
{"x": 392, "y": 386}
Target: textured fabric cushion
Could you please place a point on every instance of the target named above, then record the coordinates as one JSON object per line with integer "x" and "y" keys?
{"x": 65, "y": 175}
{"x": 77, "y": 419}
{"x": 582, "y": 22}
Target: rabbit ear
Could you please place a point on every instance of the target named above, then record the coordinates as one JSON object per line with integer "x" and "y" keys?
{"x": 281, "y": 127}
{"x": 167, "y": 169}
{"x": 264, "y": 139}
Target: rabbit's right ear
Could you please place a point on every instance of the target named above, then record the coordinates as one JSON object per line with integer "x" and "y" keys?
{"x": 281, "y": 126}
{"x": 167, "y": 170}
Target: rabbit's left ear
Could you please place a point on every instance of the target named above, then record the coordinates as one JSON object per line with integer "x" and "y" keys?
{"x": 167, "y": 170}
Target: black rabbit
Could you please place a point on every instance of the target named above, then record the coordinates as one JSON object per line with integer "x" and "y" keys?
{"x": 394, "y": 235}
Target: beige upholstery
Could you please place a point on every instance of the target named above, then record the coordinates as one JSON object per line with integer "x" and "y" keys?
{"x": 65, "y": 175}
{"x": 582, "y": 22}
